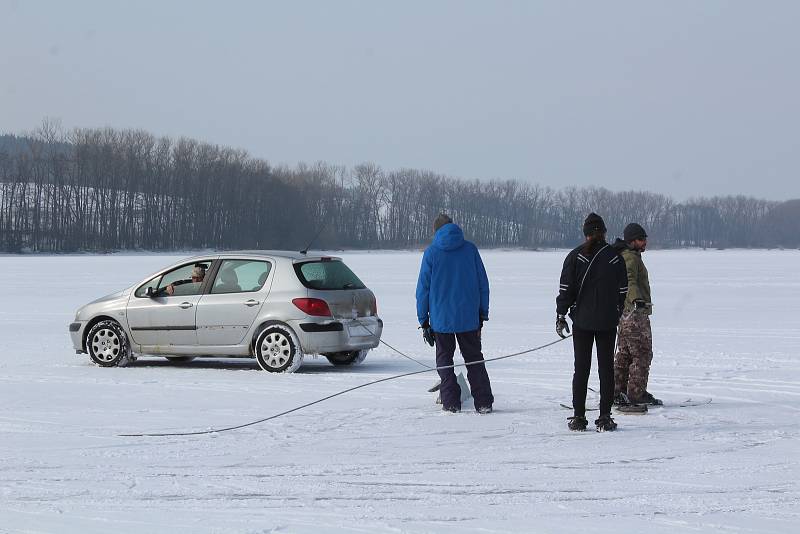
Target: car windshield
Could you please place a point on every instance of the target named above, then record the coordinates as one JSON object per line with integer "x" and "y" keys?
{"x": 327, "y": 274}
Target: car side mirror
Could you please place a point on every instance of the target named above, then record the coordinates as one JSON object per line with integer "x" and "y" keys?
{"x": 150, "y": 292}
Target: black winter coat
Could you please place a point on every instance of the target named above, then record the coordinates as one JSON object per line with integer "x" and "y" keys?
{"x": 599, "y": 303}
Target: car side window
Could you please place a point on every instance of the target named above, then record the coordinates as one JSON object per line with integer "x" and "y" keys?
{"x": 179, "y": 278}
{"x": 142, "y": 291}
{"x": 241, "y": 276}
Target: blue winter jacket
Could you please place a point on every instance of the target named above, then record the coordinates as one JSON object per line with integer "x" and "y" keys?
{"x": 452, "y": 288}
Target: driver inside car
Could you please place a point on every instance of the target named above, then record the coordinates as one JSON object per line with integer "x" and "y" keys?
{"x": 198, "y": 275}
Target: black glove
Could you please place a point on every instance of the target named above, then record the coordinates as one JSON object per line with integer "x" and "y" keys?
{"x": 482, "y": 320}
{"x": 427, "y": 334}
{"x": 561, "y": 325}
{"x": 639, "y": 304}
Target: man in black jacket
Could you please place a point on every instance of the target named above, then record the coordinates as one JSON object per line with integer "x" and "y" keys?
{"x": 593, "y": 287}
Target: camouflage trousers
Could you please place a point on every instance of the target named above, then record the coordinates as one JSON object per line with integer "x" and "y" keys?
{"x": 634, "y": 355}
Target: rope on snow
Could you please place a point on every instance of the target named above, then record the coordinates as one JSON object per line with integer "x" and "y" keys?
{"x": 306, "y": 405}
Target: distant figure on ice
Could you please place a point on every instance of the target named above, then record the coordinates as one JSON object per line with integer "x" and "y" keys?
{"x": 452, "y": 304}
{"x": 593, "y": 288}
{"x": 635, "y": 346}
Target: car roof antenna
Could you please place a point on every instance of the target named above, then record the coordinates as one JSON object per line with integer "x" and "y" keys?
{"x": 321, "y": 228}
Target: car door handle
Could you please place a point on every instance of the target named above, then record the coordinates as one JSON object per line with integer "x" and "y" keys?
{"x": 251, "y": 303}
{"x": 185, "y": 305}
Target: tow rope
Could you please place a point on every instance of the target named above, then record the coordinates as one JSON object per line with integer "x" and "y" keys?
{"x": 323, "y": 399}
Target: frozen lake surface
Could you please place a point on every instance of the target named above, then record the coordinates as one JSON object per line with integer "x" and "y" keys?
{"x": 385, "y": 458}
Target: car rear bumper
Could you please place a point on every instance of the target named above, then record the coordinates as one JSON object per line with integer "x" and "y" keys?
{"x": 76, "y": 333}
{"x": 318, "y": 336}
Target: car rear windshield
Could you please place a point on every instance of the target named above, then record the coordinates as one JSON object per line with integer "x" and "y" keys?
{"x": 327, "y": 274}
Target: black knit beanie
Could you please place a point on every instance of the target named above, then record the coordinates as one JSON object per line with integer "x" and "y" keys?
{"x": 633, "y": 231}
{"x": 593, "y": 223}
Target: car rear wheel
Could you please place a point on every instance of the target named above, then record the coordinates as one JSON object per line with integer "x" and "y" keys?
{"x": 277, "y": 350}
{"x": 107, "y": 344}
{"x": 351, "y": 357}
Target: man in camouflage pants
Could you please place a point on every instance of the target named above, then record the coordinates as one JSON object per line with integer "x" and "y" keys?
{"x": 635, "y": 339}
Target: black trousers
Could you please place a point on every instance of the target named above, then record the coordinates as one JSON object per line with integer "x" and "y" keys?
{"x": 582, "y": 341}
{"x": 470, "y": 345}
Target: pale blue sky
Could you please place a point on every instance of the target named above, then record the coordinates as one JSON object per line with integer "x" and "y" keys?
{"x": 681, "y": 97}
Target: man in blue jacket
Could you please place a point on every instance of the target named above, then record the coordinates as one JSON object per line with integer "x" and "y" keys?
{"x": 453, "y": 300}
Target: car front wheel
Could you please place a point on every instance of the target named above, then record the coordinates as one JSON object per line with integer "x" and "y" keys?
{"x": 107, "y": 344}
{"x": 351, "y": 357}
{"x": 277, "y": 350}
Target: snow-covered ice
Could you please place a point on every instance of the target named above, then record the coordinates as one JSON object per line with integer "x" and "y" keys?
{"x": 385, "y": 458}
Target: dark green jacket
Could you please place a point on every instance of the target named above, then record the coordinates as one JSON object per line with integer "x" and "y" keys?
{"x": 638, "y": 280}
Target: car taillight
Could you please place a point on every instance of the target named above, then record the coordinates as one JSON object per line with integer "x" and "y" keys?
{"x": 315, "y": 307}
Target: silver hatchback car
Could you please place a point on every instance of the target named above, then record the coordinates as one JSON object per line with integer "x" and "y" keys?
{"x": 273, "y": 306}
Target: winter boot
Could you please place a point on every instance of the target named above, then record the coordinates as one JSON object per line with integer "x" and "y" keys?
{"x": 605, "y": 423}
{"x": 451, "y": 409}
{"x": 648, "y": 398}
{"x": 621, "y": 399}
{"x": 484, "y": 409}
{"x": 638, "y": 409}
{"x": 577, "y": 423}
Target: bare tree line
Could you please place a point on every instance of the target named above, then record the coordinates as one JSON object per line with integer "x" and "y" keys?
{"x": 107, "y": 189}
